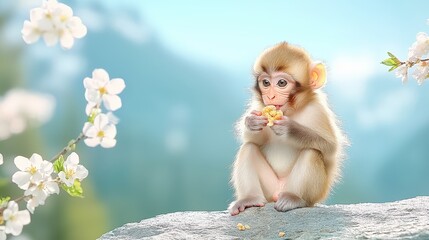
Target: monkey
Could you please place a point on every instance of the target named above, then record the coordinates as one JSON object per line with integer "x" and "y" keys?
{"x": 295, "y": 162}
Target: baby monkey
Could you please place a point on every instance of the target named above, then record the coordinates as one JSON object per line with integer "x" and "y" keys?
{"x": 294, "y": 162}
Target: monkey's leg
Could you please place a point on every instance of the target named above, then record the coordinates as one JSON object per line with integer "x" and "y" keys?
{"x": 252, "y": 176}
{"x": 306, "y": 184}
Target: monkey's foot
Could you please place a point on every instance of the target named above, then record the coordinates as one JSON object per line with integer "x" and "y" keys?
{"x": 240, "y": 205}
{"x": 288, "y": 201}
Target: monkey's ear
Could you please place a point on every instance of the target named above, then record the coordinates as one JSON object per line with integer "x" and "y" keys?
{"x": 317, "y": 75}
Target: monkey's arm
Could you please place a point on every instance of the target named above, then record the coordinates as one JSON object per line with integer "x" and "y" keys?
{"x": 304, "y": 137}
{"x": 257, "y": 137}
{"x": 252, "y": 128}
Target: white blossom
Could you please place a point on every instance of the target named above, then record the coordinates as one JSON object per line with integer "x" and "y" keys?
{"x": 1, "y": 159}
{"x": 34, "y": 202}
{"x": 419, "y": 48}
{"x": 72, "y": 170}
{"x": 39, "y": 191}
{"x": 33, "y": 170}
{"x": 100, "y": 132}
{"x": 19, "y": 108}
{"x": 53, "y": 21}
{"x": 421, "y": 72}
{"x": 402, "y": 72}
{"x": 100, "y": 88}
{"x": 2, "y": 233}
{"x": 15, "y": 219}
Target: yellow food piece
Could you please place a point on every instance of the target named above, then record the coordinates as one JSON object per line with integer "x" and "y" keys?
{"x": 246, "y": 226}
{"x": 282, "y": 234}
{"x": 241, "y": 227}
{"x": 272, "y": 114}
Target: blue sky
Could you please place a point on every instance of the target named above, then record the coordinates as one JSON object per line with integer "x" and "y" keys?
{"x": 232, "y": 32}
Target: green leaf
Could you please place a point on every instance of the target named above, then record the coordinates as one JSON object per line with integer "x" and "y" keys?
{"x": 4, "y": 200}
{"x": 393, "y": 68}
{"x": 394, "y": 58}
{"x": 59, "y": 164}
{"x": 389, "y": 62}
{"x": 75, "y": 190}
{"x": 392, "y": 61}
{"x": 94, "y": 112}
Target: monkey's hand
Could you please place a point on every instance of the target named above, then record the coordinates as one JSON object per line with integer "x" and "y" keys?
{"x": 255, "y": 121}
{"x": 281, "y": 126}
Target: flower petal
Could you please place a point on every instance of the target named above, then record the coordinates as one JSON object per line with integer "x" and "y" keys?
{"x": 62, "y": 176}
{"x": 85, "y": 128}
{"x": 13, "y": 206}
{"x": 22, "y": 163}
{"x": 101, "y": 75}
{"x": 92, "y": 142}
{"x": 112, "y": 102}
{"x": 81, "y": 172}
{"x": 30, "y": 33}
{"x": 100, "y": 121}
{"x": 92, "y": 95}
{"x": 89, "y": 108}
{"x": 36, "y": 160}
{"x": 109, "y": 131}
{"x": 73, "y": 159}
{"x": 115, "y": 86}
{"x": 108, "y": 142}
{"x": 64, "y": 10}
{"x": 23, "y": 217}
{"x": 90, "y": 130}
{"x": 66, "y": 39}
{"x": 36, "y": 14}
{"x": 45, "y": 25}
{"x": 52, "y": 187}
{"x": 76, "y": 27}
{"x": 22, "y": 179}
{"x": 13, "y": 227}
{"x": 50, "y": 38}
{"x": 36, "y": 178}
{"x": 32, "y": 204}
{"x": 88, "y": 83}
{"x": 46, "y": 167}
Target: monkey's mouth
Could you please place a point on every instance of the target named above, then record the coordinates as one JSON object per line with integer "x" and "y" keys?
{"x": 278, "y": 106}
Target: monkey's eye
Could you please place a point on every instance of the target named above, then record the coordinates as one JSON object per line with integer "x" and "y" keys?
{"x": 282, "y": 83}
{"x": 266, "y": 83}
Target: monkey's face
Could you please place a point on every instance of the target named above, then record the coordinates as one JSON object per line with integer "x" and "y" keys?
{"x": 276, "y": 88}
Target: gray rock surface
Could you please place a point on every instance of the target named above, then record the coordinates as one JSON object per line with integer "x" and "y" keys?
{"x": 407, "y": 219}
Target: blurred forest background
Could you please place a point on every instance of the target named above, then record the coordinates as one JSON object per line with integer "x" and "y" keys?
{"x": 187, "y": 68}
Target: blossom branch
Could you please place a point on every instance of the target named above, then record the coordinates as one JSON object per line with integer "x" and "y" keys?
{"x": 55, "y": 22}
{"x": 415, "y": 60}
{"x": 70, "y": 147}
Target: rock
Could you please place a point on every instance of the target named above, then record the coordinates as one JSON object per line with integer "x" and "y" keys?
{"x": 402, "y": 219}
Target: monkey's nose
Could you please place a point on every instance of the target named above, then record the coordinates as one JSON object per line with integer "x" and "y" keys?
{"x": 272, "y": 97}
